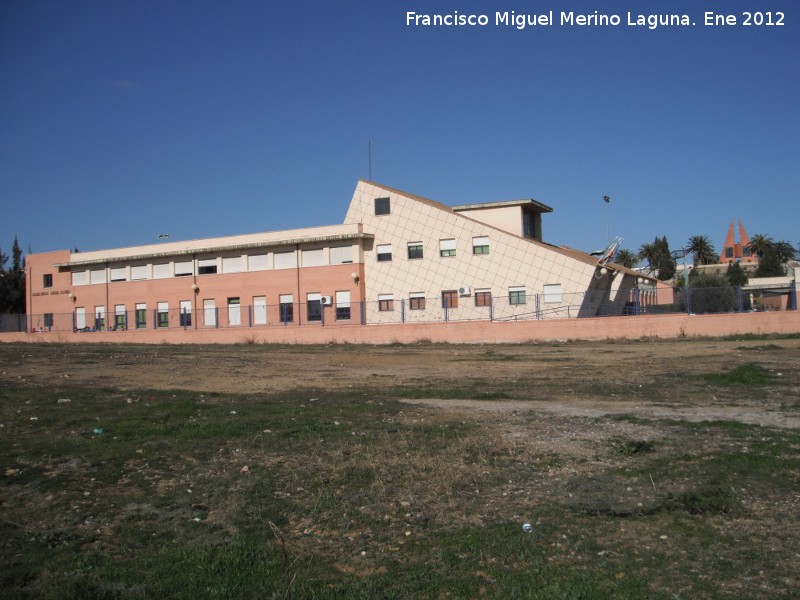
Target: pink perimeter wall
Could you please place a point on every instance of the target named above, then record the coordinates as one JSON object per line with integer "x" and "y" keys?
{"x": 643, "y": 326}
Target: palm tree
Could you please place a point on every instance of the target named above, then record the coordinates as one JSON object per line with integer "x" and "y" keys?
{"x": 626, "y": 258}
{"x": 649, "y": 252}
{"x": 703, "y": 250}
{"x": 759, "y": 244}
{"x": 785, "y": 251}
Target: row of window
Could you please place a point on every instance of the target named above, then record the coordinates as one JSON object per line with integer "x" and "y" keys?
{"x": 257, "y": 313}
{"x": 481, "y": 297}
{"x": 207, "y": 266}
{"x": 447, "y": 248}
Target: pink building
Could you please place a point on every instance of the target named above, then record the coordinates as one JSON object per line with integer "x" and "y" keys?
{"x": 397, "y": 258}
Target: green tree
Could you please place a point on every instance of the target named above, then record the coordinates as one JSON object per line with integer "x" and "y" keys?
{"x": 626, "y": 258}
{"x": 770, "y": 264}
{"x": 666, "y": 264}
{"x": 712, "y": 293}
{"x": 759, "y": 244}
{"x": 658, "y": 258}
{"x": 736, "y": 275}
{"x": 785, "y": 250}
{"x": 703, "y": 250}
{"x": 12, "y": 281}
{"x": 648, "y": 253}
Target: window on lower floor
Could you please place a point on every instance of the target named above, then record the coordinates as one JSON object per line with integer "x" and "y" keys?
{"x": 552, "y": 292}
{"x": 259, "y": 310}
{"x": 47, "y": 280}
{"x": 416, "y": 301}
{"x": 162, "y": 312}
{"x": 234, "y": 312}
{"x": 120, "y": 317}
{"x": 314, "y": 307}
{"x": 516, "y": 295}
{"x": 141, "y": 316}
{"x": 450, "y": 298}
{"x": 186, "y": 313}
{"x": 99, "y": 317}
{"x": 483, "y": 298}
{"x": 385, "y": 302}
{"x": 48, "y": 320}
{"x": 343, "y": 306}
{"x": 286, "y": 308}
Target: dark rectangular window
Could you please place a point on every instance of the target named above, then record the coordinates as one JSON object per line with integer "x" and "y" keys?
{"x": 527, "y": 225}
{"x": 382, "y": 206}
{"x": 342, "y": 313}
{"x": 186, "y": 318}
{"x": 415, "y": 250}
{"x": 287, "y": 312}
{"x": 384, "y": 252}
{"x": 47, "y": 280}
{"x": 728, "y": 252}
{"x": 314, "y": 309}
{"x": 386, "y": 305}
{"x": 120, "y": 322}
{"x": 48, "y": 320}
{"x": 450, "y": 298}
{"x": 141, "y": 318}
{"x": 206, "y": 270}
{"x": 163, "y": 318}
{"x": 483, "y": 298}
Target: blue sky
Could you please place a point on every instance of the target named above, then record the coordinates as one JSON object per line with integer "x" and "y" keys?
{"x": 123, "y": 120}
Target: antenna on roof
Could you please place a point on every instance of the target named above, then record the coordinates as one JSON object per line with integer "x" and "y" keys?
{"x": 369, "y": 157}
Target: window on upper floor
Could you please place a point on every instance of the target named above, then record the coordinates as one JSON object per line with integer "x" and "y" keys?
{"x": 119, "y": 273}
{"x": 414, "y": 250}
{"x": 47, "y": 280}
{"x": 447, "y": 247}
{"x": 480, "y": 245}
{"x": 382, "y": 206}
{"x": 384, "y": 252}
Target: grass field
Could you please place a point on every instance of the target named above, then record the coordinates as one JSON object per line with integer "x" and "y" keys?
{"x": 340, "y": 487}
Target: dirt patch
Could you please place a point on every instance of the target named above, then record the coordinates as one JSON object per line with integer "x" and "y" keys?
{"x": 661, "y": 379}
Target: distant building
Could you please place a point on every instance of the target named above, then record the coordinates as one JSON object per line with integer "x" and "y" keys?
{"x": 396, "y": 258}
{"x": 733, "y": 251}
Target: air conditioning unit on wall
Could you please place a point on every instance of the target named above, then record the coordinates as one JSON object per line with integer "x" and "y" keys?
{"x": 327, "y": 300}
{"x": 464, "y": 290}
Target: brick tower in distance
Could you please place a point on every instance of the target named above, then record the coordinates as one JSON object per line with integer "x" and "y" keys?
{"x": 733, "y": 251}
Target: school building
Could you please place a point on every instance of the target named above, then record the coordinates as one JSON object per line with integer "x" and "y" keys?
{"x": 396, "y": 258}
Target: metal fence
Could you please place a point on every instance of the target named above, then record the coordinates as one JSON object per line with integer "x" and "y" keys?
{"x": 414, "y": 310}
